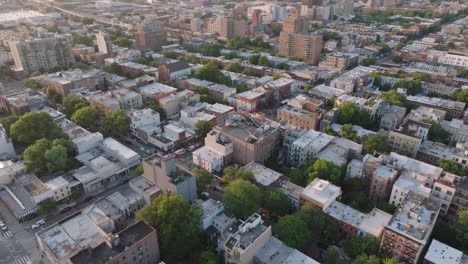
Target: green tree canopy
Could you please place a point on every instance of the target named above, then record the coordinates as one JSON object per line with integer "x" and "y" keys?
{"x": 349, "y": 113}
{"x": 71, "y": 103}
{"x": 313, "y": 217}
{"x": 151, "y": 104}
{"x": 178, "y": 225}
{"x": 369, "y": 61}
{"x": 452, "y": 167}
{"x": 33, "y": 126}
{"x": 207, "y": 257}
{"x": 242, "y": 198}
{"x": 202, "y": 128}
{"x": 200, "y": 90}
{"x": 329, "y": 130}
{"x": 5, "y": 72}
{"x": 376, "y": 143}
{"x": 292, "y": 231}
{"x": 355, "y": 245}
{"x": 332, "y": 255}
{"x": 393, "y": 97}
{"x": 114, "y": 68}
{"x": 33, "y": 156}
{"x": 253, "y": 59}
{"x": 203, "y": 178}
{"x": 364, "y": 259}
{"x": 325, "y": 170}
{"x": 46, "y": 207}
{"x": 211, "y": 72}
{"x": 212, "y": 50}
{"x": 116, "y": 123}
{"x": 275, "y": 201}
{"x": 348, "y": 132}
{"x": 7, "y": 122}
{"x": 437, "y": 133}
{"x": 33, "y": 84}
{"x": 232, "y": 173}
{"x": 86, "y": 117}
{"x": 56, "y": 158}
{"x": 461, "y": 94}
{"x": 263, "y": 61}
{"x": 233, "y": 67}
{"x": 413, "y": 87}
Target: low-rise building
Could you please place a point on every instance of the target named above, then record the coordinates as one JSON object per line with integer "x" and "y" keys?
{"x": 144, "y": 123}
{"x": 299, "y": 118}
{"x": 453, "y": 109}
{"x": 264, "y": 176}
{"x": 407, "y": 233}
{"x": 174, "y": 102}
{"x": 426, "y": 113}
{"x": 216, "y": 153}
{"x": 156, "y": 91}
{"x": 440, "y": 253}
{"x": 339, "y": 60}
{"x": 457, "y": 128}
{"x": 320, "y": 193}
{"x": 408, "y": 138}
{"x": 174, "y": 70}
{"x": 22, "y": 102}
{"x": 73, "y": 81}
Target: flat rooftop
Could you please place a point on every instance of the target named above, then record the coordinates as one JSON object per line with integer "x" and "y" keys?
{"x": 262, "y": 174}
{"x": 440, "y": 253}
{"x": 321, "y": 191}
{"x": 415, "y": 217}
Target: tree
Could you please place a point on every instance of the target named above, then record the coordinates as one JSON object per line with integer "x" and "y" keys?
{"x": 33, "y": 156}
{"x": 348, "y": 132}
{"x": 330, "y": 231}
{"x": 155, "y": 107}
{"x": 292, "y": 231}
{"x": 462, "y": 228}
{"x": 31, "y": 83}
{"x": 277, "y": 76}
{"x": 375, "y": 143}
{"x": 355, "y": 245}
{"x": 33, "y": 126}
{"x": 138, "y": 170}
{"x": 437, "y": 133}
{"x": 242, "y": 198}
{"x": 5, "y": 72}
{"x": 35, "y": 74}
{"x": 202, "y": 128}
{"x": 231, "y": 55}
{"x": 314, "y": 218}
{"x": 116, "y": 123}
{"x": 123, "y": 42}
{"x": 7, "y": 122}
{"x": 207, "y": 257}
{"x": 71, "y": 103}
{"x": 308, "y": 87}
{"x": 348, "y": 113}
{"x": 461, "y": 94}
{"x": 253, "y": 59}
{"x": 46, "y": 207}
{"x": 114, "y": 68}
{"x": 212, "y": 50}
{"x": 325, "y": 170}
{"x": 449, "y": 166}
{"x": 357, "y": 200}
{"x": 332, "y": 255}
{"x": 396, "y": 59}
{"x": 203, "y": 178}
{"x": 369, "y": 61}
{"x": 211, "y": 72}
{"x": 390, "y": 261}
{"x": 275, "y": 201}
{"x": 263, "y": 61}
{"x": 364, "y": 259}
{"x": 329, "y": 130}
{"x": 233, "y": 173}
{"x": 56, "y": 158}
{"x": 178, "y": 225}
{"x": 200, "y": 90}
{"x": 393, "y": 97}
{"x": 233, "y": 67}
{"x": 87, "y": 117}
{"x": 413, "y": 87}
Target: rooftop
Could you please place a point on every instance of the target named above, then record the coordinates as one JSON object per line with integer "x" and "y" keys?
{"x": 440, "y": 253}
{"x": 274, "y": 251}
{"x": 415, "y": 217}
{"x": 321, "y": 191}
{"x": 262, "y": 174}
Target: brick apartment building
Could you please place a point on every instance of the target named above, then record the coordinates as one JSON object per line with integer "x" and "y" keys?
{"x": 302, "y": 45}
{"x": 150, "y": 36}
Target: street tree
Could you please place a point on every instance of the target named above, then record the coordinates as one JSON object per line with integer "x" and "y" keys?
{"x": 292, "y": 231}
{"x": 313, "y": 217}
{"x": 57, "y": 158}
{"x": 275, "y": 201}
{"x": 242, "y": 198}
{"x": 117, "y": 123}
{"x": 33, "y": 126}
{"x": 232, "y": 173}
{"x": 202, "y": 128}
{"x": 86, "y": 117}
{"x": 7, "y": 122}
{"x": 71, "y": 103}
{"x": 33, "y": 156}
{"x": 178, "y": 225}
{"x": 46, "y": 207}
{"x": 203, "y": 178}
{"x": 376, "y": 143}
{"x": 355, "y": 245}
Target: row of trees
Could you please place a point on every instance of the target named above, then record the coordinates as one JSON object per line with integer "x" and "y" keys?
{"x": 211, "y": 72}
{"x": 317, "y": 168}
{"x": 350, "y": 113}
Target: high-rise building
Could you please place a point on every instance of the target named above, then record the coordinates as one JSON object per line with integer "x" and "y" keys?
{"x": 150, "y": 36}
{"x": 305, "y": 46}
{"x": 47, "y": 54}
{"x": 293, "y": 24}
{"x": 228, "y": 27}
{"x": 104, "y": 43}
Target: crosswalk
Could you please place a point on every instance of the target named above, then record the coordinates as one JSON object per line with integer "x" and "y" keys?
{"x": 22, "y": 260}
{"x": 5, "y": 235}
